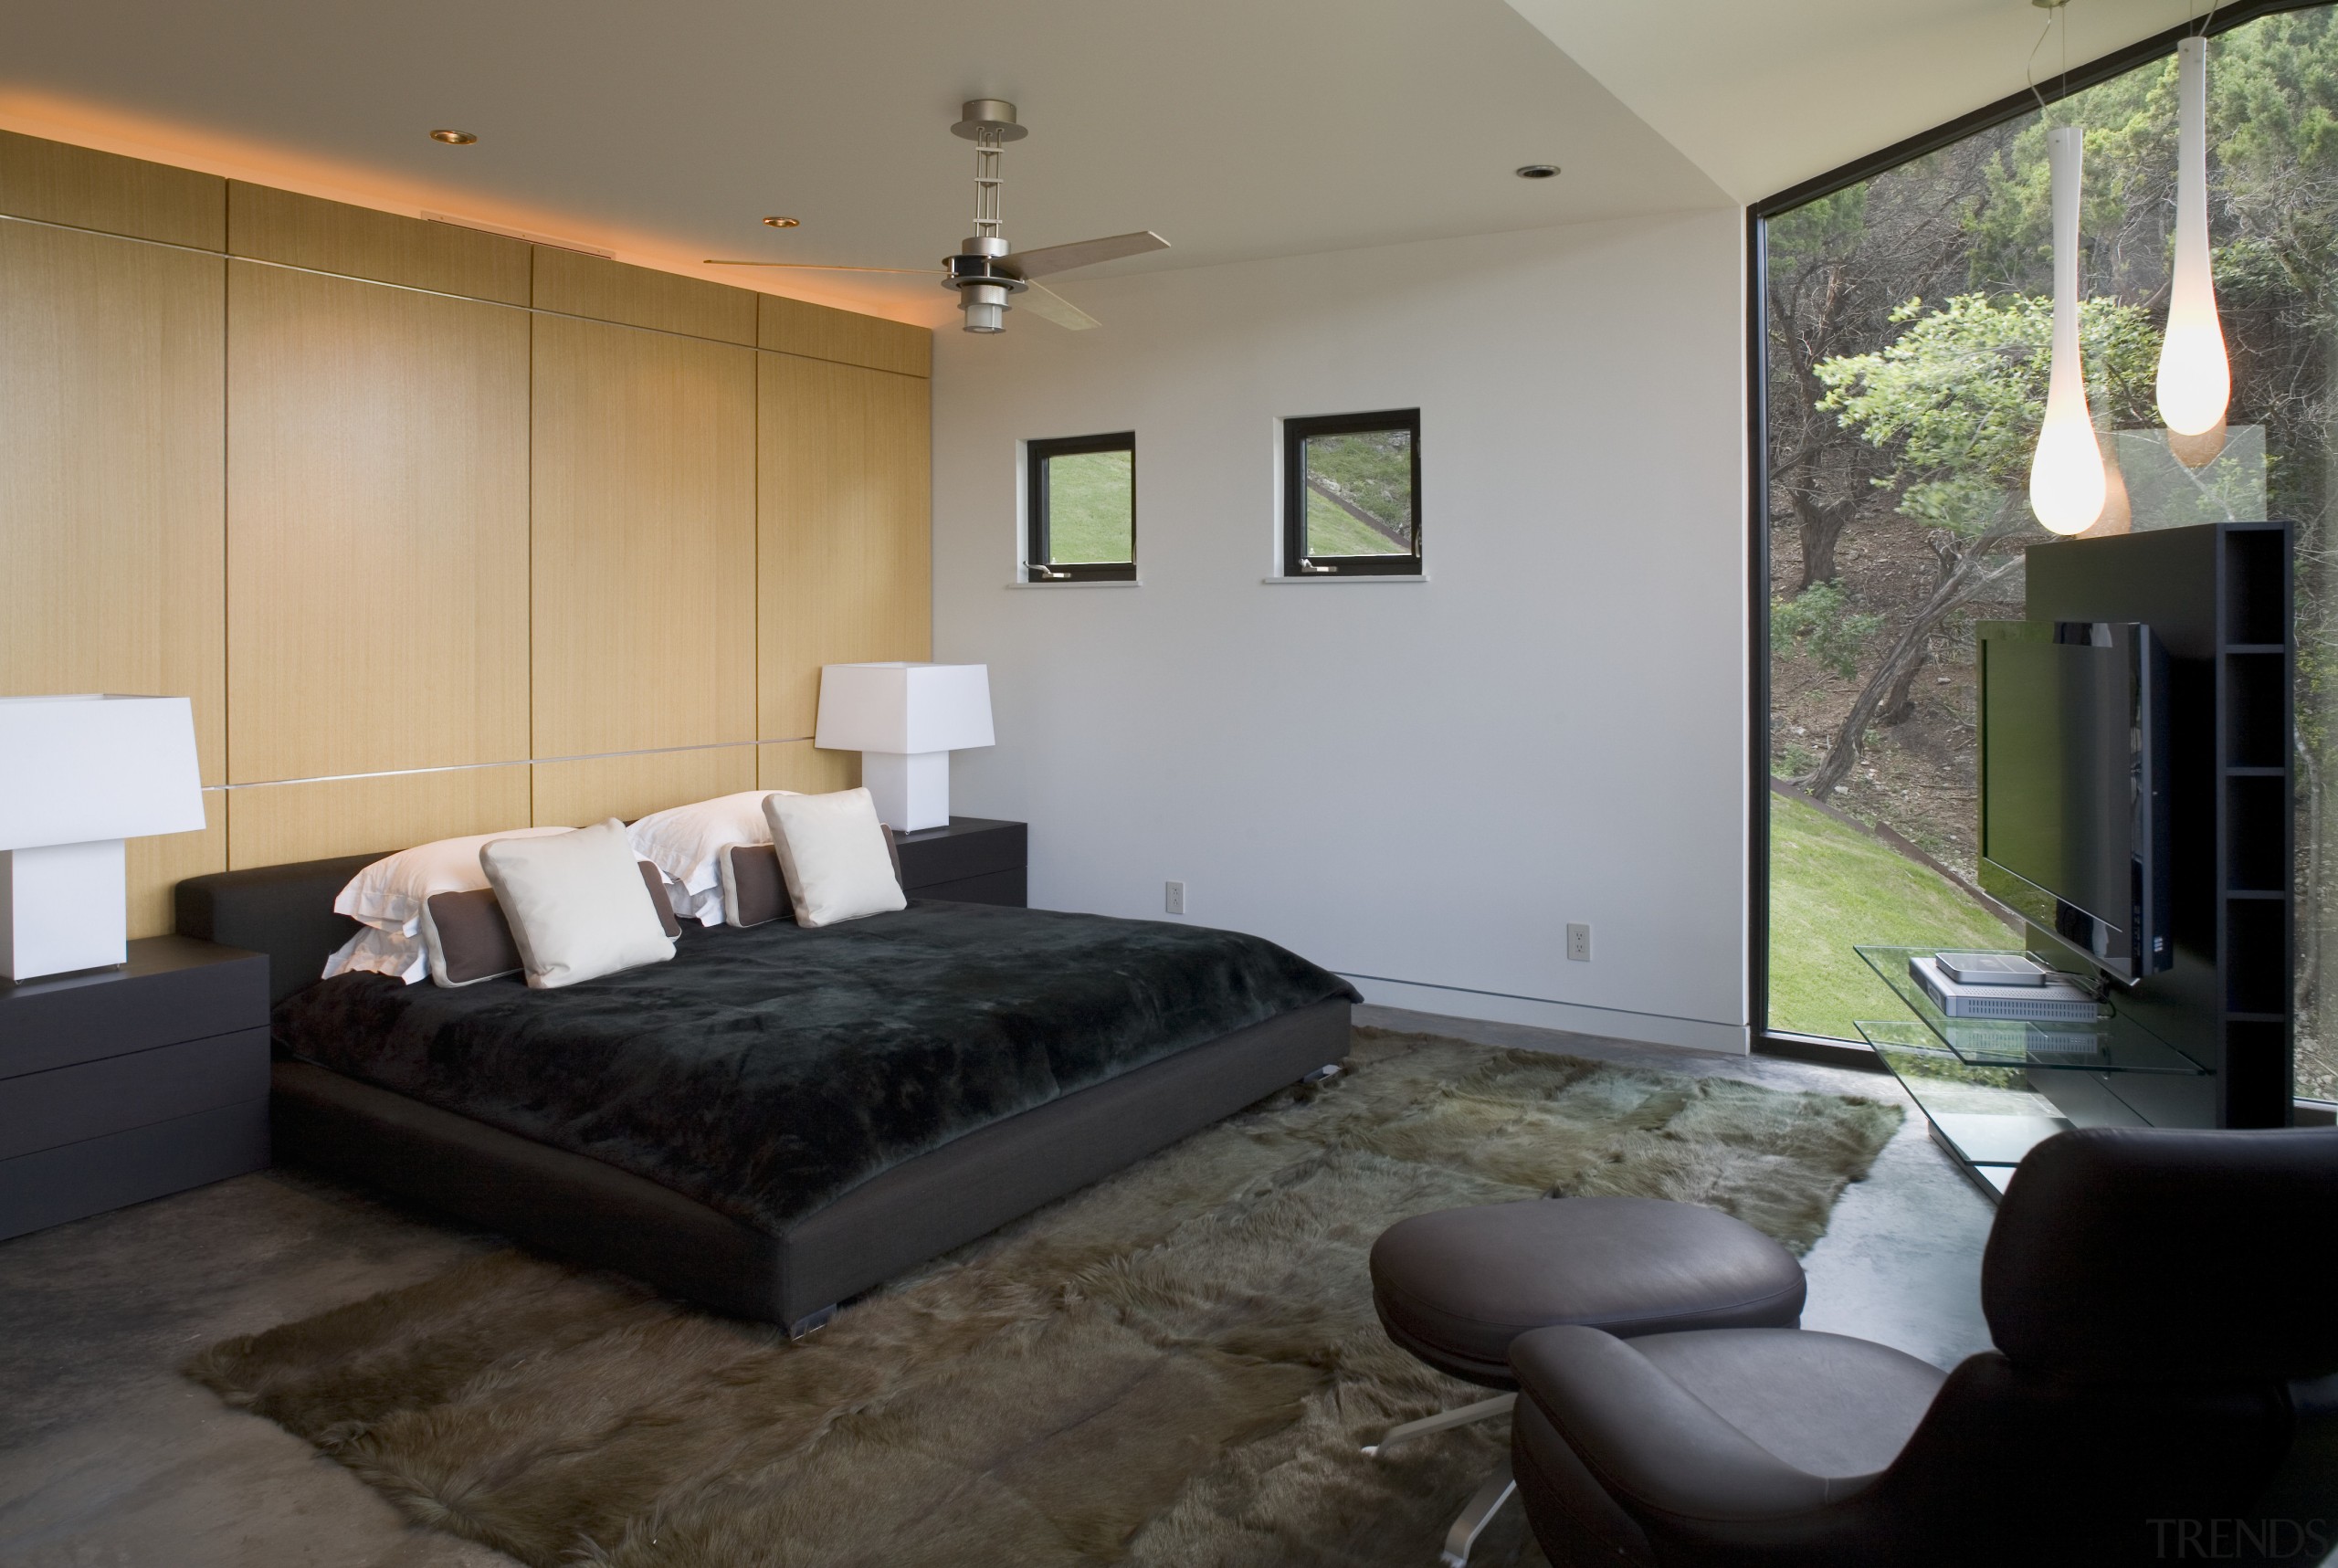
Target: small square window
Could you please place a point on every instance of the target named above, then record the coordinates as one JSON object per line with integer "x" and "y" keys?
{"x": 1081, "y": 500}
{"x": 1352, "y": 494}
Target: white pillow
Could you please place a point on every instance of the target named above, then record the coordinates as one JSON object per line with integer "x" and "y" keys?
{"x": 577, "y": 904}
{"x": 832, "y": 851}
{"x": 389, "y": 894}
{"x": 685, "y": 844}
{"x": 374, "y": 951}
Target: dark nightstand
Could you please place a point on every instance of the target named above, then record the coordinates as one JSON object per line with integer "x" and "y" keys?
{"x": 975, "y": 861}
{"x": 120, "y": 1085}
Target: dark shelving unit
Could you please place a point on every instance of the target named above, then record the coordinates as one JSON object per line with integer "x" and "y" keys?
{"x": 2220, "y": 596}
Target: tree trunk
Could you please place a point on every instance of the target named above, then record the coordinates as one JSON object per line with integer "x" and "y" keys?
{"x": 1899, "y": 704}
{"x": 1820, "y": 527}
{"x": 1964, "y": 580}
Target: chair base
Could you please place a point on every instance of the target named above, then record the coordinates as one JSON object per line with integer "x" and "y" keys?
{"x": 1488, "y": 1500}
{"x": 1492, "y": 1409}
{"x": 1471, "y": 1523}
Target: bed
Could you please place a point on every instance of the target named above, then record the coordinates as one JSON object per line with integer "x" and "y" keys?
{"x": 780, "y": 1118}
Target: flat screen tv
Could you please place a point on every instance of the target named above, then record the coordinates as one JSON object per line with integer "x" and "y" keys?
{"x": 2074, "y": 783}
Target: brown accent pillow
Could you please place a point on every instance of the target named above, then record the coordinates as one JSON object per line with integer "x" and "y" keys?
{"x": 655, "y": 880}
{"x": 755, "y": 888}
{"x": 754, "y": 892}
{"x": 470, "y": 941}
{"x": 467, "y": 938}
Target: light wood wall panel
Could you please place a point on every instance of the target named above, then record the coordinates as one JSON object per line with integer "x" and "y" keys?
{"x": 806, "y": 768}
{"x": 576, "y": 284}
{"x": 370, "y": 529}
{"x": 88, "y": 189}
{"x": 111, "y": 489}
{"x": 275, "y": 823}
{"x": 844, "y": 541}
{"x": 377, "y": 528}
{"x": 573, "y": 794}
{"x": 815, "y": 331}
{"x": 331, "y": 237}
{"x": 158, "y": 864}
{"x": 644, "y": 540}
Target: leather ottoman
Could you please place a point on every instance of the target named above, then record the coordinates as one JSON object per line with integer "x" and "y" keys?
{"x": 1455, "y": 1287}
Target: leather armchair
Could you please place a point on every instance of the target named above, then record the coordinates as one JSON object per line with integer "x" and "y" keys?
{"x": 2164, "y": 1304}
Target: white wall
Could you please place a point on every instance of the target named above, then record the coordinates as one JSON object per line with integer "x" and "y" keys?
{"x": 1417, "y": 785}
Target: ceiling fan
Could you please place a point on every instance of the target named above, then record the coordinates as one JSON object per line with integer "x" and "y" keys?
{"x": 984, "y": 271}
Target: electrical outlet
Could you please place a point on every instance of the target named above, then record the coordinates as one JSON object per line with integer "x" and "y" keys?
{"x": 1173, "y": 897}
{"x": 1579, "y": 943}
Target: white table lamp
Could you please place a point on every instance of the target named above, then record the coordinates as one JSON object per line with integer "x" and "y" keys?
{"x": 905, "y": 720}
{"x": 77, "y": 776}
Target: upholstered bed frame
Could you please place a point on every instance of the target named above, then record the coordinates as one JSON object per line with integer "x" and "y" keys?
{"x": 581, "y": 1209}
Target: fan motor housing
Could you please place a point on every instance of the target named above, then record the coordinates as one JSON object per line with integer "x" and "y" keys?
{"x": 983, "y": 285}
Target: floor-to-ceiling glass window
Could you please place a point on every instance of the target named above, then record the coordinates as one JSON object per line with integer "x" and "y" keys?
{"x": 1908, "y": 319}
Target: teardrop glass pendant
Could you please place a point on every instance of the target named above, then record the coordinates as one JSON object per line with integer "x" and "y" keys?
{"x": 2195, "y": 374}
{"x": 2067, "y": 487}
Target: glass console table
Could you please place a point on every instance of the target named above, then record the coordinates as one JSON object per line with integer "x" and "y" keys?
{"x": 1994, "y": 1089}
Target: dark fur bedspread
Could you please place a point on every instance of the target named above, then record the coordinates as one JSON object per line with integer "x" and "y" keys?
{"x": 763, "y": 1072}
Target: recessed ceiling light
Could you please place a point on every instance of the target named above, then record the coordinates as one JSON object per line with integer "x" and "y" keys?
{"x": 1537, "y": 171}
{"x": 782, "y": 223}
{"x": 454, "y": 138}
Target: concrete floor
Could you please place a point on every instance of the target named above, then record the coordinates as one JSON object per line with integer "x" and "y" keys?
{"x": 109, "y": 1459}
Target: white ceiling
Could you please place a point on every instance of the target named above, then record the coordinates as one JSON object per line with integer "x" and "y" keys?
{"x": 1236, "y": 129}
{"x": 1761, "y": 96}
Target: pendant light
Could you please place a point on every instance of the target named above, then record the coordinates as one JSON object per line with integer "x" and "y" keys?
{"x": 2067, "y": 485}
{"x": 2118, "y": 514}
{"x": 2194, "y": 375}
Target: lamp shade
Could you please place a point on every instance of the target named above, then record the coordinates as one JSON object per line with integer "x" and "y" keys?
{"x": 909, "y": 708}
{"x": 2195, "y": 371}
{"x": 2067, "y": 484}
{"x": 81, "y": 769}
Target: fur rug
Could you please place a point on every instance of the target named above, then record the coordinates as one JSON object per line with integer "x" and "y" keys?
{"x": 1175, "y": 1367}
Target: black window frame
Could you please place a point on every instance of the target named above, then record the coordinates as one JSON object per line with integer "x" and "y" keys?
{"x": 1767, "y": 1040}
{"x": 1296, "y": 562}
{"x": 1036, "y": 566}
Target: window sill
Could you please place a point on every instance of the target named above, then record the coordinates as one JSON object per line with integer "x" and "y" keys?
{"x": 1347, "y": 577}
{"x": 1091, "y": 583}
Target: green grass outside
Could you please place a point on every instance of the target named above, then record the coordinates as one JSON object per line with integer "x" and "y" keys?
{"x": 1092, "y": 507}
{"x": 1331, "y": 531}
{"x": 1832, "y": 886}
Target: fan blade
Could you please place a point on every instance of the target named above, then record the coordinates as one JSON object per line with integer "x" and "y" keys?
{"x": 1049, "y": 306}
{"x": 818, "y": 267}
{"x": 1081, "y": 253}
